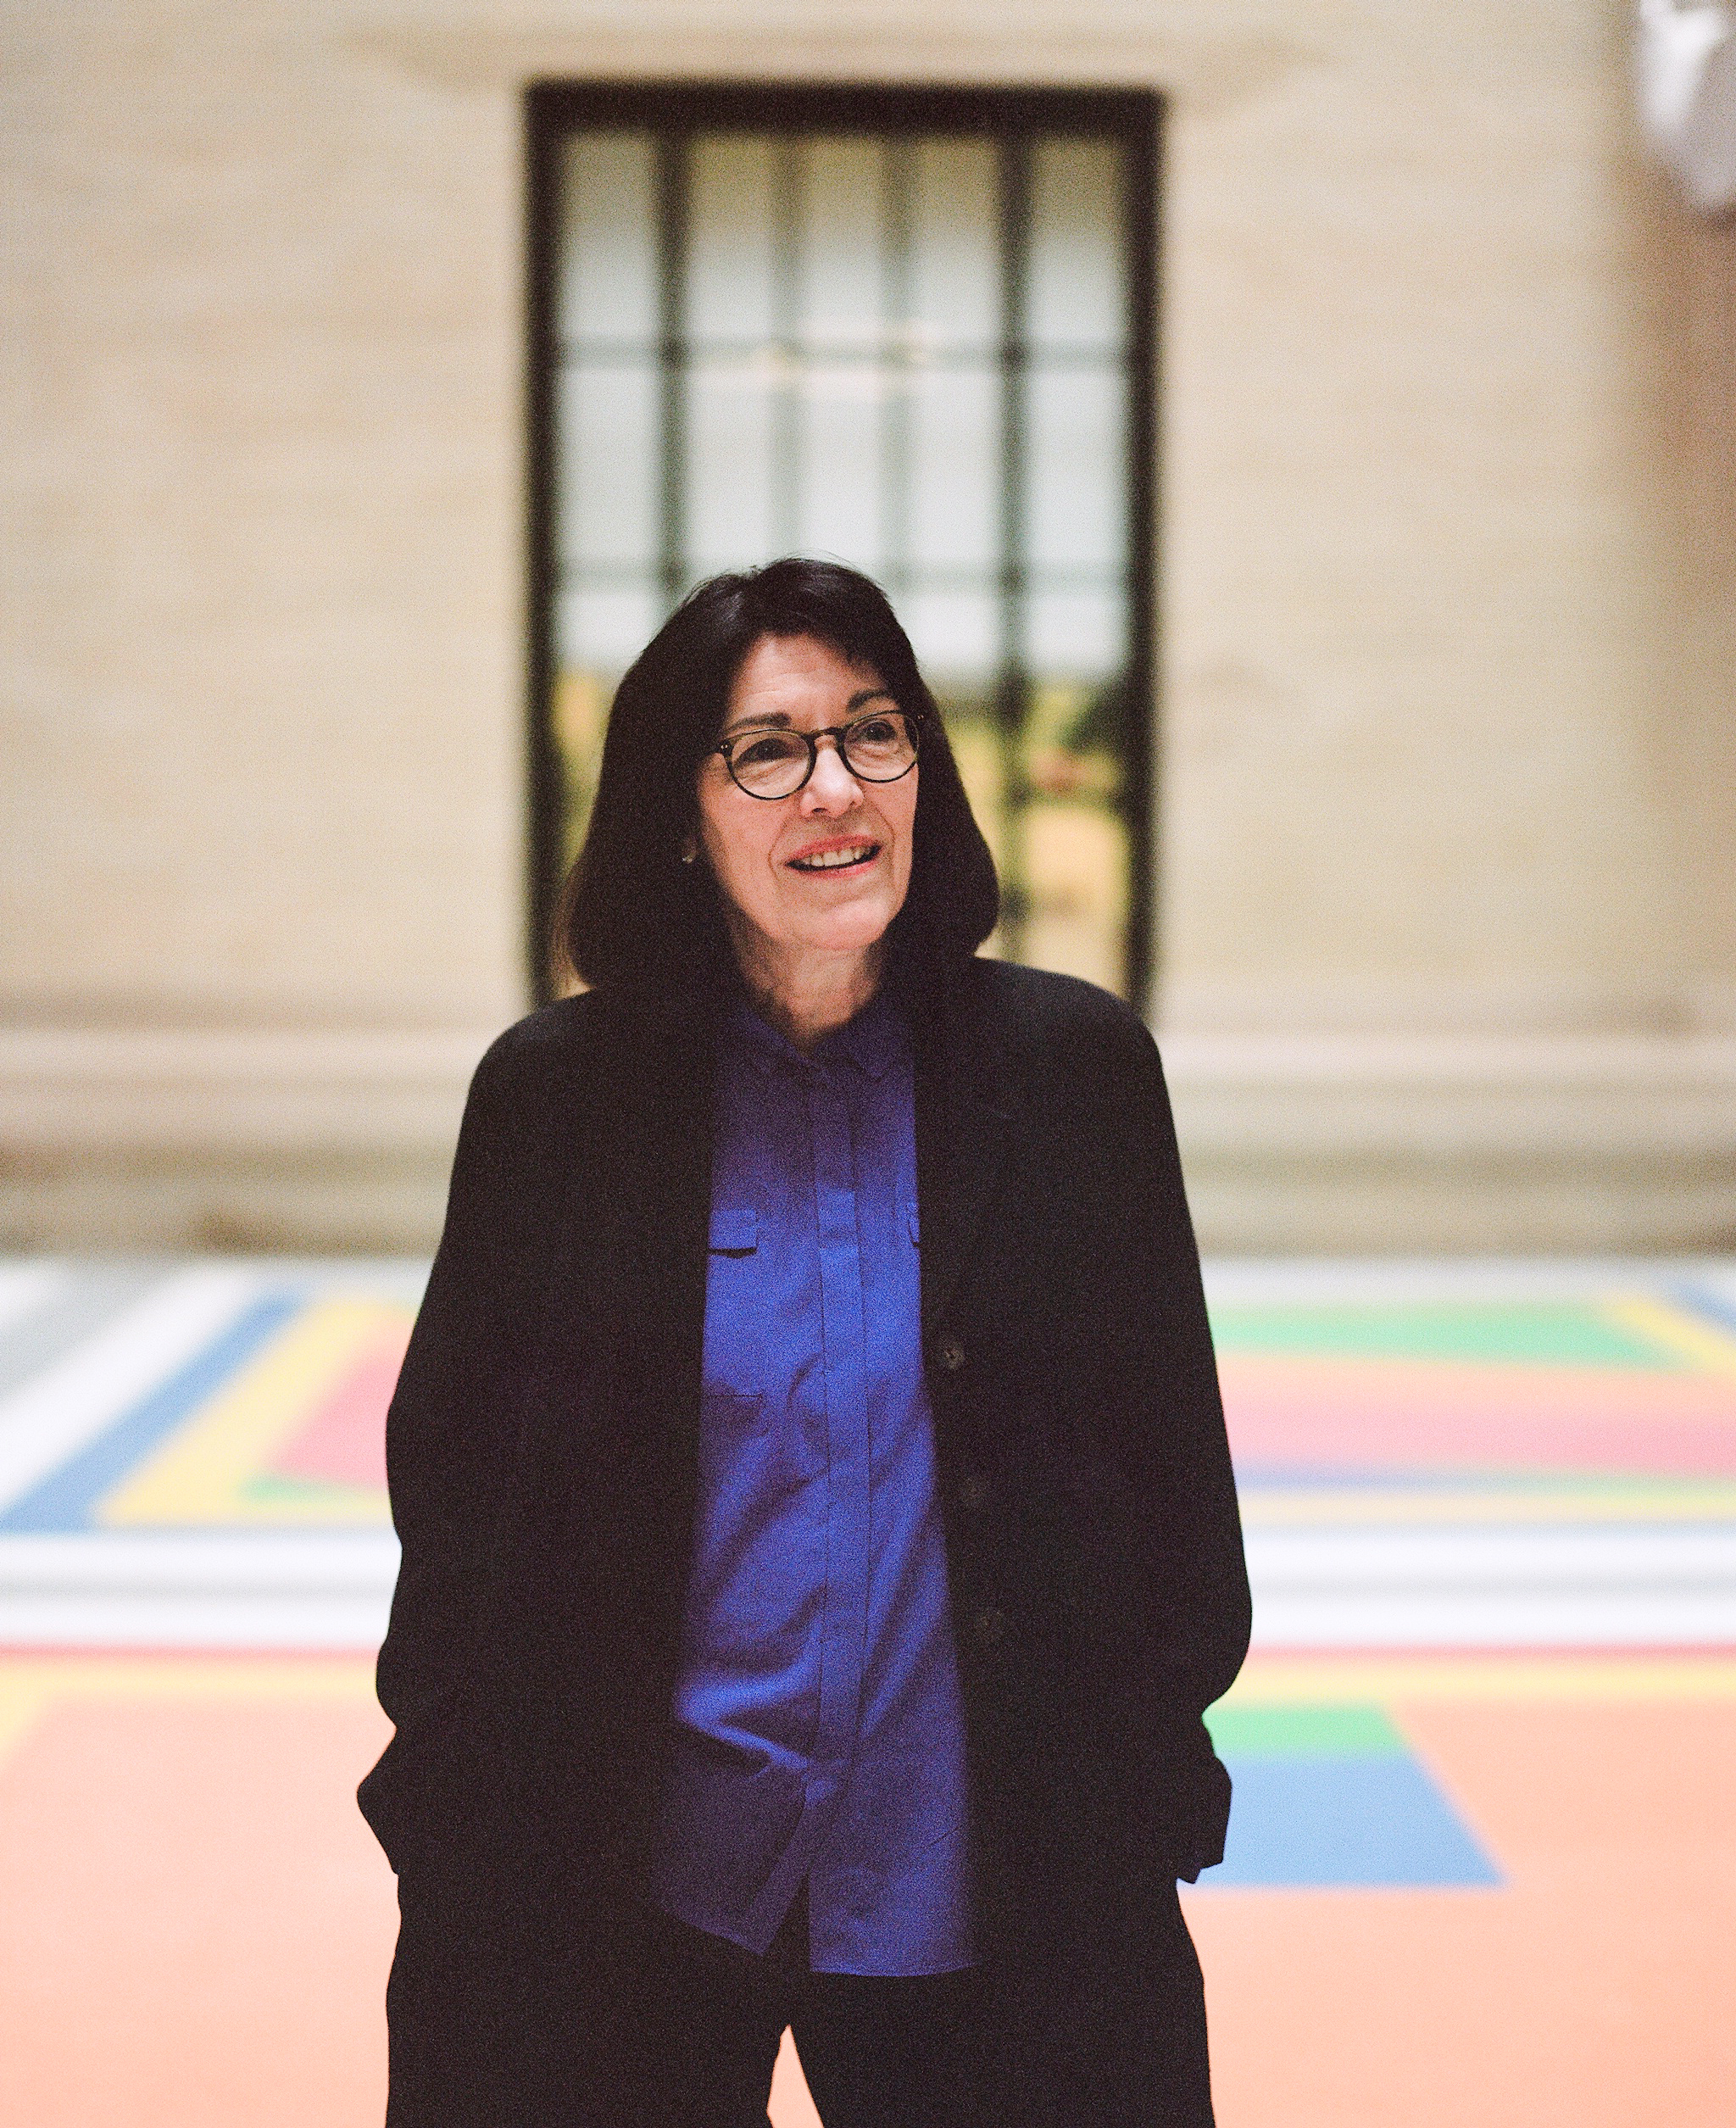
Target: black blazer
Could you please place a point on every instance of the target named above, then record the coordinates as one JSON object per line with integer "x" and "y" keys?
{"x": 543, "y": 1450}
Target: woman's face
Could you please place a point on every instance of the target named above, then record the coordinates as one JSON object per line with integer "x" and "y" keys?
{"x": 765, "y": 852}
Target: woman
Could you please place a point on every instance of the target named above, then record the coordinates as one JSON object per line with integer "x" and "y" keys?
{"x": 818, "y": 1539}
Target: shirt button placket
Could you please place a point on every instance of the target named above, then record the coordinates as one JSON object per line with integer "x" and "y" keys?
{"x": 846, "y": 1425}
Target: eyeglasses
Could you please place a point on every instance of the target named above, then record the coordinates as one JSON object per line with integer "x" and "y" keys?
{"x": 773, "y": 761}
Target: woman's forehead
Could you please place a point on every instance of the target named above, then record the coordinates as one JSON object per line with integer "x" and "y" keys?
{"x": 798, "y": 680}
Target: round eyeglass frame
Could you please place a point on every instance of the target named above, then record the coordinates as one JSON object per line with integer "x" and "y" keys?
{"x": 838, "y": 734}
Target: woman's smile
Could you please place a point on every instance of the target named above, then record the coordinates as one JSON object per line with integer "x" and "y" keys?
{"x": 853, "y": 853}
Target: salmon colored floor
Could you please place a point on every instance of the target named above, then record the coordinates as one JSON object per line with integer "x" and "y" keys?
{"x": 194, "y": 1923}
{"x": 1481, "y": 1863}
{"x": 1596, "y": 1988}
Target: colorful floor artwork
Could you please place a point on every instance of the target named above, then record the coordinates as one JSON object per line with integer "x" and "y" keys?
{"x": 196, "y": 1456}
{"x": 277, "y": 1419}
{"x": 1604, "y": 1409}
{"x": 1587, "y": 1988}
{"x": 1332, "y": 1794}
{"x": 1483, "y": 1854}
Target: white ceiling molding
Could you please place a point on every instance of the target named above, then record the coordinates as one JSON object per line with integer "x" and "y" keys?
{"x": 1209, "y": 54}
{"x": 1687, "y": 64}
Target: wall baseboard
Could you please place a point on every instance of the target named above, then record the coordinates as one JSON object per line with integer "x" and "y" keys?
{"x": 1394, "y": 1145}
{"x": 164, "y": 1139}
{"x": 200, "y": 1138}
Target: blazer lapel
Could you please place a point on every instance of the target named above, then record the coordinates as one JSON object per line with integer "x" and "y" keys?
{"x": 966, "y": 1097}
{"x": 671, "y": 1109}
{"x": 655, "y": 1182}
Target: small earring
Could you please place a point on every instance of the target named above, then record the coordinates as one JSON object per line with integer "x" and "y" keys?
{"x": 688, "y": 854}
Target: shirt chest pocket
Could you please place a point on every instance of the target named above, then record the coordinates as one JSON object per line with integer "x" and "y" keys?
{"x": 735, "y": 1230}
{"x": 735, "y": 1304}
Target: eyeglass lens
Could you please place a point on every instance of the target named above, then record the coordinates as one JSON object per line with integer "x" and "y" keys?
{"x": 879, "y": 750}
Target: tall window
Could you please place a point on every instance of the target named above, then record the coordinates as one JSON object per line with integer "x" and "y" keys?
{"x": 910, "y": 331}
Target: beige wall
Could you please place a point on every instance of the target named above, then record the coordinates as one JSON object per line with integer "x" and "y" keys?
{"x": 1449, "y": 832}
{"x": 1435, "y": 723}
{"x": 1448, "y": 809}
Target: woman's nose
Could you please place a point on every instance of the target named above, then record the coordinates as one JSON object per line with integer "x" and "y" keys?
{"x": 831, "y": 789}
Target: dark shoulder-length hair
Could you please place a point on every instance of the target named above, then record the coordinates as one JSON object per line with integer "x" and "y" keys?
{"x": 632, "y": 914}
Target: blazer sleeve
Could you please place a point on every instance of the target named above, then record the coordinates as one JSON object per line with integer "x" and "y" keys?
{"x": 1192, "y": 1527}
{"x": 448, "y": 1453}
{"x": 1183, "y": 1572}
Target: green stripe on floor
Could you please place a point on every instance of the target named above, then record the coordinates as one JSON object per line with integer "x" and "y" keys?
{"x": 1351, "y": 1731}
{"x": 1547, "y": 1333}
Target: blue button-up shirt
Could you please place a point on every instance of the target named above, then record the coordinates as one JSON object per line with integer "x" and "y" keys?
{"x": 818, "y": 1725}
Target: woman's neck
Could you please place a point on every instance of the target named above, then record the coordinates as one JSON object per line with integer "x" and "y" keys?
{"x": 807, "y": 996}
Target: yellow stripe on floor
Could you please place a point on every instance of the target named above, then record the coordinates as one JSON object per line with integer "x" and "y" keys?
{"x": 200, "y": 1475}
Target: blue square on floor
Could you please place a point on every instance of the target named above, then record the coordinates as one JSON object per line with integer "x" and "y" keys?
{"x": 1333, "y": 1795}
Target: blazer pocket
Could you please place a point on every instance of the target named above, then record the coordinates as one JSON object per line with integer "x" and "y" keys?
{"x": 424, "y": 1784}
{"x": 1185, "y": 1816}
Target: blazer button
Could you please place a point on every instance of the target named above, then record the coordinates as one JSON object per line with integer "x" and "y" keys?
{"x": 972, "y": 1490}
{"x": 990, "y": 1626}
{"x": 951, "y": 1354}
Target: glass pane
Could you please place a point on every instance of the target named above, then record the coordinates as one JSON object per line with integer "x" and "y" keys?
{"x": 606, "y": 463}
{"x": 1075, "y": 493}
{"x": 1076, "y": 890}
{"x": 1075, "y": 295}
{"x": 955, "y": 634}
{"x": 606, "y": 267}
{"x": 729, "y": 485}
{"x": 604, "y": 629}
{"x": 955, "y": 275}
{"x": 840, "y": 460}
{"x": 1077, "y": 635}
{"x": 597, "y": 634}
{"x": 955, "y": 427}
{"x": 841, "y": 271}
{"x": 844, "y": 392}
{"x": 732, "y": 280}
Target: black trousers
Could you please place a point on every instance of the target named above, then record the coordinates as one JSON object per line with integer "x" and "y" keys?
{"x": 876, "y": 2053}
{"x": 512, "y": 2006}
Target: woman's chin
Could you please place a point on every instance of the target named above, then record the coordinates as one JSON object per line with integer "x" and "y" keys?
{"x": 856, "y": 927}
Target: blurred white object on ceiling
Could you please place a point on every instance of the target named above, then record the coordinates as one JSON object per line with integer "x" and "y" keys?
{"x": 1688, "y": 95}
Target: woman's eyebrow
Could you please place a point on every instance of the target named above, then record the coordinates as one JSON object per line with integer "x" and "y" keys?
{"x": 780, "y": 718}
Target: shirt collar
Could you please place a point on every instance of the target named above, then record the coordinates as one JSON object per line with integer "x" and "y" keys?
{"x": 873, "y": 1041}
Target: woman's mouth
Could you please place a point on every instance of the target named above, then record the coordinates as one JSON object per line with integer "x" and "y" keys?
{"x": 837, "y": 857}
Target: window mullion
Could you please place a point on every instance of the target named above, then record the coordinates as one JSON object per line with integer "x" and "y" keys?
{"x": 1012, "y": 686}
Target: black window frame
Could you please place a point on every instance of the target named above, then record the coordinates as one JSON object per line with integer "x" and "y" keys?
{"x": 554, "y": 110}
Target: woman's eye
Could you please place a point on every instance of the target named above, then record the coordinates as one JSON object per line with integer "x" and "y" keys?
{"x": 760, "y": 752}
{"x": 874, "y": 731}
